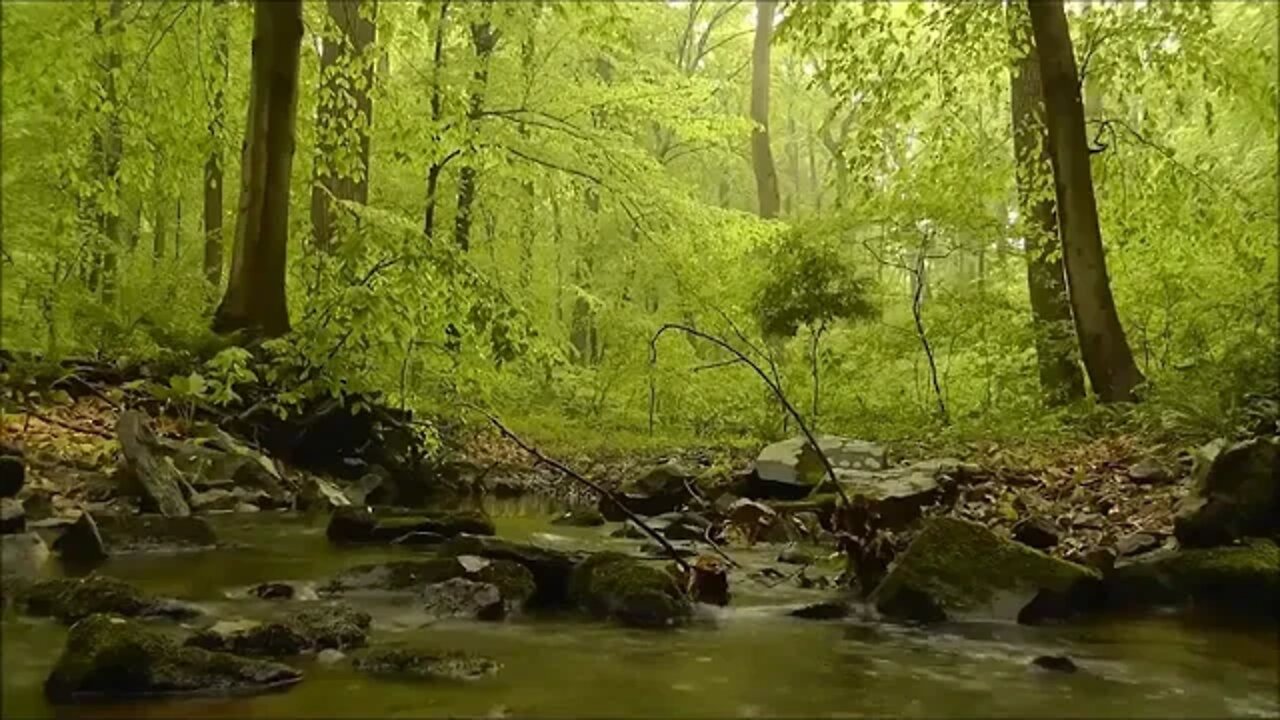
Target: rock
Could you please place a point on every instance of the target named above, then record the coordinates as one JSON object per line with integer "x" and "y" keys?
{"x": 156, "y": 475}
{"x": 663, "y": 489}
{"x": 550, "y": 568}
{"x": 791, "y": 469}
{"x": 629, "y": 530}
{"x": 419, "y": 538}
{"x": 681, "y": 526}
{"x": 38, "y": 504}
{"x": 582, "y": 517}
{"x": 1136, "y": 544}
{"x": 795, "y": 556}
{"x": 1101, "y": 559}
{"x": 318, "y": 493}
{"x": 1055, "y": 663}
{"x": 219, "y": 461}
{"x": 513, "y": 579}
{"x": 23, "y": 554}
{"x": 71, "y": 599}
{"x": 110, "y": 657}
{"x": 354, "y": 524}
{"x": 1237, "y": 494}
{"x": 330, "y": 656}
{"x": 13, "y": 518}
{"x": 751, "y": 518}
{"x": 957, "y": 569}
{"x": 214, "y": 500}
{"x": 372, "y": 488}
{"x": 1243, "y": 579}
{"x": 137, "y": 533}
{"x": 615, "y": 586}
{"x": 424, "y": 664}
{"x": 657, "y": 551}
{"x": 273, "y": 591}
{"x": 335, "y": 626}
{"x": 81, "y": 545}
{"x": 1149, "y": 472}
{"x": 459, "y": 597}
{"x": 247, "y": 508}
{"x": 828, "y": 610}
{"x": 709, "y": 582}
{"x": 1088, "y": 520}
{"x": 13, "y": 474}
{"x": 1036, "y": 532}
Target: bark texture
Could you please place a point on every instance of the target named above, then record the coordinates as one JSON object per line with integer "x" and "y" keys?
{"x": 484, "y": 38}
{"x": 761, "y": 156}
{"x": 213, "y": 187}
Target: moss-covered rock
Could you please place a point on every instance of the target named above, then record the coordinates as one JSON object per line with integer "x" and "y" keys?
{"x": 352, "y": 524}
{"x": 580, "y": 517}
{"x": 135, "y": 533}
{"x": 424, "y": 664}
{"x": 462, "y": 598}
{"x": 334, "y": 626}
{"x": 1242, "y": 579}
{"x": 550, "y": 568}
{"x": 957, "y": 568}
{"x": 109, "y": 657}
{"x": 71, "y": 599}
{"x": 616, "y": 586}
{"x": 511, "y": 578}
{"x": 1237, "y": 494}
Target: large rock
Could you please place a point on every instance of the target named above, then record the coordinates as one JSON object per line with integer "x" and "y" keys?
{"x": 81, "y": 545}
{"x": 23, "y": 554}
{"x": 630, "y": 591}
{"x": 141, "y": 533}
{"x": 550, "y": 568}
{"x": 1237, "y": 494}
{"x": 405, "y": 663}
{"x": 317, "y": 493}
{"x": 217, "y": 461}
{"x": 790, "y": 469}
{"x": 160, "y": 481}
{"x": 352, "y": 524}
{"x": 462, "y": 598}
{"x": 960, "y": 569}
{"x": 13, "y": 518}
{"x": 335, "y": 626}
{"x": 108, "y": 657}
{"x": 511, "y": 578}
{"x": 664, "y": 488}
{"x": 70, "y": 599}
{"x": 12, "y": 475}
{"x": 1244, "y": 579}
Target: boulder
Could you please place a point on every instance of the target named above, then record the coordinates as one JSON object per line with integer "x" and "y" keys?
{"x": 336, "y": 626}
{"x": 408, "y": 663}
{"x": 664, "y": 488}
{"x": 13, "y": 518}
{"x": 71, "y": 599}
{"x": 154, "y": 473}
{"x": 1149, "y": 472}
{"x": 1036, "y": 532}
{"x": 791, "y": 469}
{"x": 216, "y": 499}
{"x": 1243, "y": 579}
{"x": 795, "y": 556}
{"x": 318, "y": 493}
{"x": 629, "y": 591}
{"x": 826, "y": 610}
{"x": 23, "y": 554}
{"x": 960, "y": 569}
{"x": 108, "y": 657}
{"x": 550, "y": 568}
{"x": 581, "y": 517}
{"x": 511, "y": 578}
{"x": 1137, "y": 544}
{"x": 141, "y": 533}
{"x": 218, "y": 461}
{"x": 13, "y": 474}
{"x": 81, "y": 544}
{"x": 1237, "y": 494}
{"x": 353, "y": 524}
{"x": 464, "y": 598}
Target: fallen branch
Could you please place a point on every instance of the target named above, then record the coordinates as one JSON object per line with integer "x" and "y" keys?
{"x": 69, "y": 426}
{"x": 564, "y": 470}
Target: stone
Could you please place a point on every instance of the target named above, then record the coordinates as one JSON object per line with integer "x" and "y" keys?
{"x": 140, "y": 533}
{"x": 657, "y": 551}
{"x": 1136, "y": 544}
{"x": 550, "y": 568}
{"x": 681, "y": 526}
{"x": 629, "y": 591}
{"x": 330, "y": 656}
{"x": 827, "y": 610}
{"x": 13, "y": 473}
{"x": 108, "y": 657}
{"x": 1036, "y": 532}
{"x": 317, "y": 493}
{"x": 1240, "y": 580}
{"x": 81, "y": 544}
{"x": 513, "y": 579}
{"x": 213, "y": 500}
{"x": 13, "y": 518}
{"x": 1237, "y": 494}
{"x": 156, "y": 474}
{"x": 958, "y": 569}
{"x": 664, "y": 488}
{"x": 791, "y": 469}
{"x": 247, "y": 508}
{"x": 582, "y": 517}
{"x": 39, "y": 504}
{"x": 795, "y": 556}
{"x": 218, "y": 461}
{"x": 459, "y": 597}
{"x": 408, "y": 663}
{"x": 336, "y": 626}
{"x": 1149, "y": 472}
{"x": 629, "y": 530}
{"x": 1101, "y": 559}
{"x": 709, "y": 581}
{"x": 72, "y": 599}
{"x": 352, "y": 524}
{"x": 1055, "y": 663}
{"x": 23, "y": 554}
{"x": 273, "y": 591}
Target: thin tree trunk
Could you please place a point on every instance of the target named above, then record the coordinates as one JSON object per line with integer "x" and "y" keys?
{"x": 213, "y": 191}
{"x": 761, "y": 156}
{"x": 345, "y": 105}
{"x": 483, "y": 38}
{"x": 433, "y": 172}
{"x": 255, "y": 296}
{"x": 107, "y": 151}
{"x": 1107, "y": 357}
{"x": 1060, "y": 379}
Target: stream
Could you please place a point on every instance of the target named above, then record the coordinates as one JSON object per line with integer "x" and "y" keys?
{"x": 747, "y": 660}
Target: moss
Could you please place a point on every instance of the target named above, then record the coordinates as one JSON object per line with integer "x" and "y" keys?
{"x": 70, "y": 599}
{"x": 1243, "y": 578}
{"x": 107, "y": 656}
{"x": 616, "y": 586}
{"x": 425, "y": 664}
{"x": 549, "y": 569}
{"x": 514, "y": 580}
{"x": 960, "y": 565}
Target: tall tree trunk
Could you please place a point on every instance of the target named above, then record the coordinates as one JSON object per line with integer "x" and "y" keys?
{"x": 437, "y": 108}
{"x": 213, "y": 191}
{"x": 107, "y": 151}
{"x": 483, "y": 38}
{"x": 761, "y": 156}
{"x": 1107, "y": 357}
{"x": 1060, "y": 379}
{"x": 345, "y": 105}
{"x": 255, "y": 296}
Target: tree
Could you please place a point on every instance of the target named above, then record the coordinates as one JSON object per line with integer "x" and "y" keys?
{"x": 1107, "y": 358}
{"x": 761, "y": 156}
{"x": 107, "y": 151}
{"x": 484, "y": 38}
{"x": 437, "y": 109}
{"x": 255, "y": 297}
{"x": 213, "y": 163}
{"x": 344, "y": 108}
{"x": 1060, "y": 378}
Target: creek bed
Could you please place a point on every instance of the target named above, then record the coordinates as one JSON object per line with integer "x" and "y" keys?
{"x": 747, "y": 660}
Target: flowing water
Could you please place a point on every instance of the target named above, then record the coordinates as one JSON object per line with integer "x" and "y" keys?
{"x": 744, "y": 661}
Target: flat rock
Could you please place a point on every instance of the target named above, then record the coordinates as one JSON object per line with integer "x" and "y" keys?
{"x": 71, "y": 599}
{"x": 424, "y": 664}
{"x": 1149, "y": 472}
{"x": 1036, "y": 532}
{"x": 462, "y": 598}
{"x": 336, "y": 626}
{"x": 1241, "y": 580}
{"x": 1137, "y": 544}
{"x": 663, "y": 488}
{"x": 139, "y": 533}
{"x": 216, "y": 499}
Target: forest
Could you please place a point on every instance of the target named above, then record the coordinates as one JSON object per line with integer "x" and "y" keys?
{"x": 926, "y": 341}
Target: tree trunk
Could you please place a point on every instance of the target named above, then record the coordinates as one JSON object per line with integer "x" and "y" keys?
{"x": 433, "y": 172}
{"x": 344, "y": 106}
{"x": 483, "y": 38}
{"x": 255, "y": 296}
{"x": 213, "y": 191}
{"x": 1107, "y": 357}
{"x": 761, "y": 156}
{"x": 1060, "y": 378}
{"x": 107, "y": 150}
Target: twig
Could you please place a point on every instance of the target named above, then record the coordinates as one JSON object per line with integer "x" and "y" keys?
{"x": 69, "y": 426}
